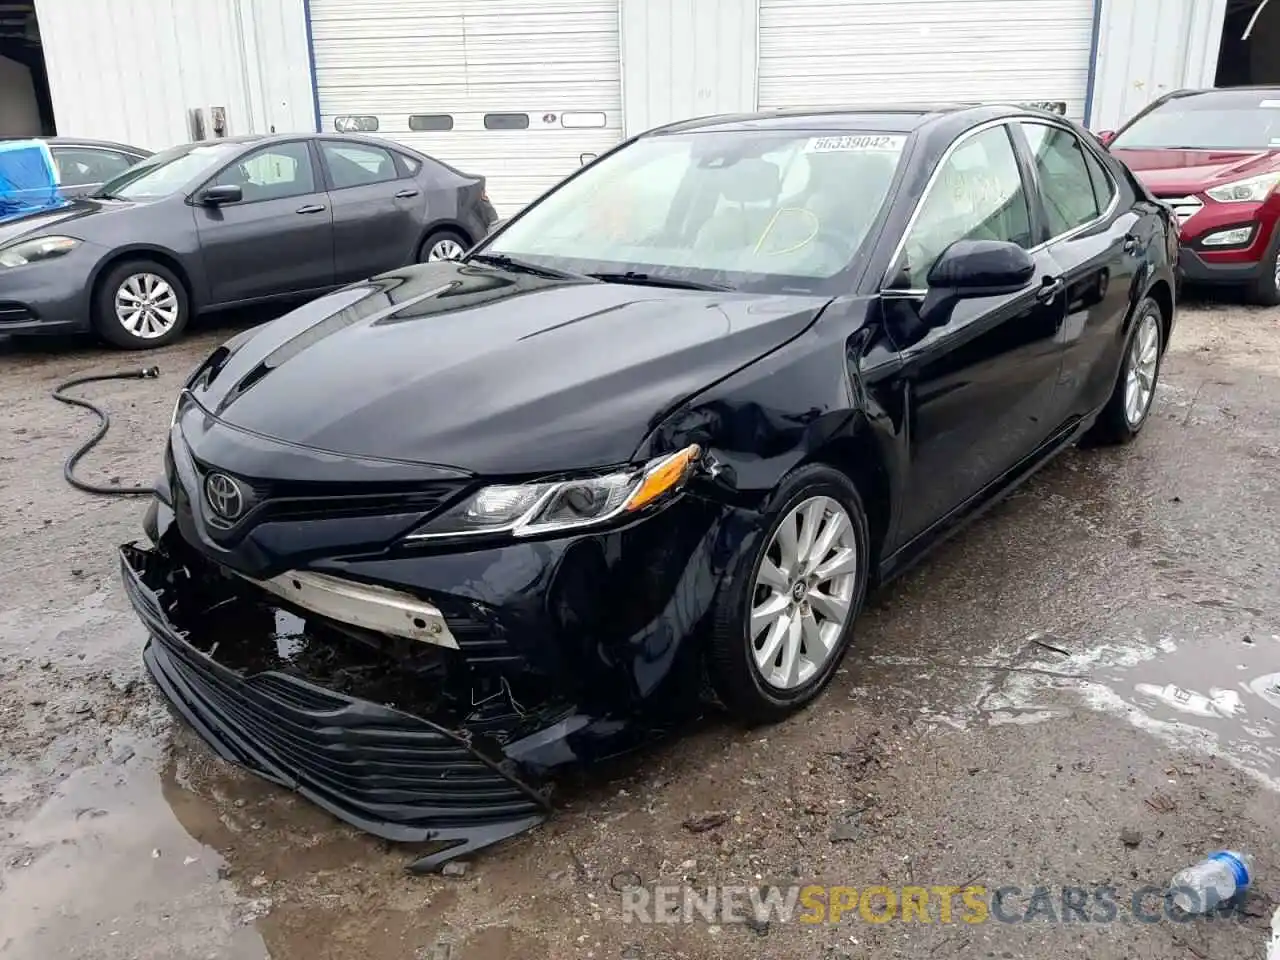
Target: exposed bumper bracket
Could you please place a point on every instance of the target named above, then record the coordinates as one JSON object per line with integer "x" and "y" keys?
{"x": 362, "y": 605}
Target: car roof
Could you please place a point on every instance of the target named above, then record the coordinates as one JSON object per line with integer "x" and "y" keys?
{"x": 259, "y": 138}
{"x": 85, "y": 142}
{"x": 883, "y": 118}
{"x": 1220, "y": 95}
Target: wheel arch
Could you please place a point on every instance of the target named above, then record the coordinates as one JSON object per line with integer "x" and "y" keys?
{"x": 859, "y": 457}
{"x": 165, "y": 258}
{"x": 439, "y": 225}
{"x": 1162, "y": 293}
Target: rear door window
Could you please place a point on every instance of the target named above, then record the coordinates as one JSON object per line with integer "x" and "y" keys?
{"x": 357, "y": 164}
{"x": 1066, "y": 185}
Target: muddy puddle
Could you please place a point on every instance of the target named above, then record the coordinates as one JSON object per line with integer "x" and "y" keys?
{"x": 104, "y": 870}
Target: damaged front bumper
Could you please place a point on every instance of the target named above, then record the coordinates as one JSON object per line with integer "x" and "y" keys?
{"x": 421, "y": 693}
{"x": 391, "y": 772}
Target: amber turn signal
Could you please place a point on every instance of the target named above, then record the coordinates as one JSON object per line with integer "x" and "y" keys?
{"x": 664, "y": 476}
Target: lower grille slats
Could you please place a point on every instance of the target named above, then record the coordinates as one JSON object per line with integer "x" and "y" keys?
{"x": 365, "y": 779}
{"x": 393, "y": 773}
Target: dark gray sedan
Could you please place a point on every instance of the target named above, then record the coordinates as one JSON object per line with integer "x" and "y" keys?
{"x": 224, "y": 223}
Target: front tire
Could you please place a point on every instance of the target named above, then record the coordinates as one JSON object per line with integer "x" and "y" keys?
{"x": 140, "y": 305}
{"x": 784, "y": 615}
{"x": 1126, "y": 412}
{"x": 1266, "y": 289}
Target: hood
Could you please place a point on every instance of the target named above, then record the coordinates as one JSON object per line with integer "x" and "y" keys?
{"x": 62, "y": 219}
{"x": 495, "y": 373}
{"x": 1171, "y": 173}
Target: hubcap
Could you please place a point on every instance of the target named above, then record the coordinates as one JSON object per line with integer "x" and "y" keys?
{"x": 1140, "y": 378}
{"x": 803, "y": 595}
{"x": 146, "y": 305}
{"x": 445, "y": 250}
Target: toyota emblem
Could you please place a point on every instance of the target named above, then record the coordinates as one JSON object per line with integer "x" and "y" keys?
{"x": 225, "y": 497}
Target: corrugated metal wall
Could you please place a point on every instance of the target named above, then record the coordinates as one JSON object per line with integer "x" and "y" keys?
{"x": 129, "y": 70}
{"x": 836, "y": 52}
{"x": 1147, "y": 48}
{"x": 682, "y": 60}
{"x": 515, "y": 90}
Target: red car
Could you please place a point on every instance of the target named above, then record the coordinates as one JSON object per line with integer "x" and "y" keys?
{"x": 1214, "y": 157}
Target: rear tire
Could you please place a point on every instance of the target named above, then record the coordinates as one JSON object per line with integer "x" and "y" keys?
{"x": 140, "y": 305}
{"x": 778, "y": 633}
{"x": 1125, "y": 414}
{"x": 443, "y": 245}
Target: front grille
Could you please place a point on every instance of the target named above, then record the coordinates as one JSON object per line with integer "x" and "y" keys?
{"x": 1184, "y": 208}
{"x": 396, "y": 775}
{"x": 15, "y": 313}
{"x": 309, "y": 499}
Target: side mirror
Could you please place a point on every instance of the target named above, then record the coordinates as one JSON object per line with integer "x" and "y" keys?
{"x": 974, "y": 268}
{"x": 497, "y": 225}
{"x": 1106, "y": 136}
{"x": 223, "y": 193}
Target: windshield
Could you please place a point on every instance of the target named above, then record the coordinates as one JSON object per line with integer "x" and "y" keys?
{"x": 1209, "y": 122}
{"x": 169, "y": 171}
{"x": 754, "y": 210}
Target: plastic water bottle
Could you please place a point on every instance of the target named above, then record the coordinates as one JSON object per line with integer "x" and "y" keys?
{"x": 1214, "y": 880}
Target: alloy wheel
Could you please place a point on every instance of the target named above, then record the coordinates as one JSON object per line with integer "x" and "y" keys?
{"x": 445, "y": 250}
{"x": 1140, "y": 375}
{"x": 1275, "y": 278}
{"x": 803, "y": 594}
{"x": 146, "y": 305}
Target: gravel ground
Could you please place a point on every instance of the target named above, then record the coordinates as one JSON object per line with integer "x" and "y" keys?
{"x": 1005, "y": 720}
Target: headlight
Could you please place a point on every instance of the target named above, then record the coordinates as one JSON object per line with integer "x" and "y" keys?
{"x": 1252, "y": 190}
{"x": 32, "y": 251}
{"x": 526, "y": 509}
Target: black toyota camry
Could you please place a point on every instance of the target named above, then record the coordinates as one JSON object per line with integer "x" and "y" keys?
{"x": 432, "y": 536}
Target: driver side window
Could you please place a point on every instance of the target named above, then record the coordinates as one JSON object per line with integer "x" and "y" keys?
{"x": 271, "y": 173}
{"x": 978, "y": 194}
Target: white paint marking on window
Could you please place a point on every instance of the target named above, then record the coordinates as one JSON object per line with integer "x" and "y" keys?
{"x": 857, "y": 143}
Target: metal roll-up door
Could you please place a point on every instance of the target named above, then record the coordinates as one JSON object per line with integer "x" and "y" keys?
{"x": 837, "y": 52}
{"x": 517, "y": 91}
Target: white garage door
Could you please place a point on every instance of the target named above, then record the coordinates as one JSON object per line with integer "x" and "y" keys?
{"x": 835, "y": 52}
{"x": 517, "y": 91}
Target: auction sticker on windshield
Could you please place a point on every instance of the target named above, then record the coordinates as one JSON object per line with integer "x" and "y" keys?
{"x": 878, "y": 143}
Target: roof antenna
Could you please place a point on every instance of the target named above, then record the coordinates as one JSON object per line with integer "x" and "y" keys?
{"x": 1254, "y": 19}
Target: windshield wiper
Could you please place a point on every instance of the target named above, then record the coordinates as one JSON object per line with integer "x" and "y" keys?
{"x": 521, "y": 266}
{"x": 649, "y": 280}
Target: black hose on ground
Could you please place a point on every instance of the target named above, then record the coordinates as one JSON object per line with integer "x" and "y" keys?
{"x": 69, "y": 468}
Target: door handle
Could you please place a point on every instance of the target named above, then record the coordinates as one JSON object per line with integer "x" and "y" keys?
{"x": 1132, "y": 242}
{"x": 311, "y": 208}
{"x": 406, "y": 194}
{"x": 1049, "y": 289}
